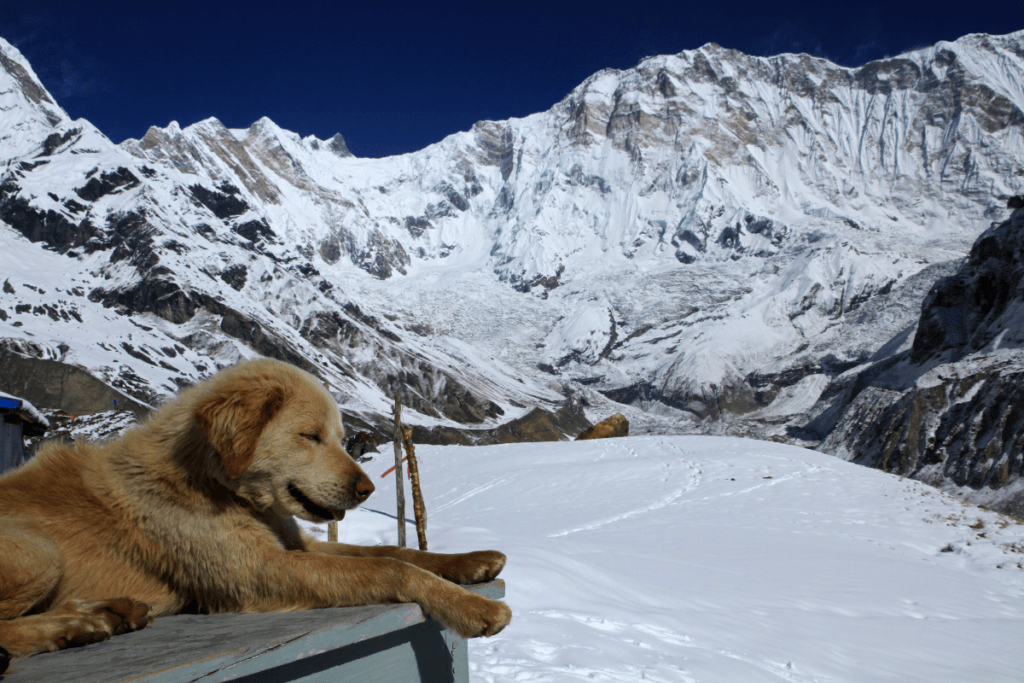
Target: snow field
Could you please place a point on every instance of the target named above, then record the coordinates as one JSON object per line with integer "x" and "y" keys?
{"x": 688, "y": 558}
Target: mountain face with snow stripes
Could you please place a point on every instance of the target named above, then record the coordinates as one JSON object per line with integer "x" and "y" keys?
{"x": 705, "y": 236}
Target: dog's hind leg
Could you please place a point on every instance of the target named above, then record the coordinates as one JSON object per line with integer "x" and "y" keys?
{"x": 31, "y": 568}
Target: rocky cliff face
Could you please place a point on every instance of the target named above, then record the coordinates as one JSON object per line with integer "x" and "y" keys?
{"x": 947, "y": 410}
{"x": 705, "y": 235}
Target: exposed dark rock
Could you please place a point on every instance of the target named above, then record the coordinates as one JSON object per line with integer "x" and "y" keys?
{"x": 689, "y": 237}
{"x": 548, "y": 282}
{"x": 964, "y": 311}
{"x": 28, "y": 85}
{"x": 327, "y": 328}
{"x": 57, "y": 140}
{"x": 497, "y": 148}
{"x": 132, "y": 239}
{"x": 967, "y": 429}
{"x": 436, "y": 393}
{"x": 454, "y": 198}
{"x": 712, "y": 402}
{"x": 883, "y": 76}
{"x": 106, "y": 183}
{"x": 308, "y": 270}
{"x": 338, "y": 145}
{"x": 730, "y": 239}
{"x": 575, "y": 177}
{"x": 380, "y": 256}
{"x": 49, "y": 227}
{"x": 766, "y": 227}
{"x": 245, "y": 329}
{"x": 372, "y": 322}
{"x": 417, "y": 225}
{"x": 255, "y": 230}
{"x": 665, "y": 86}
{"x": 223, "y": 205}
{"x": 73, "y": 206}
{"x": 235, "y": 276}
{"x": 159, "y": 295}
{"x": 330, "y": 250}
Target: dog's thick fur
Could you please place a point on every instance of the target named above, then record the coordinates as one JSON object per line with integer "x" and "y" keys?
{"x": 194, "y": 509}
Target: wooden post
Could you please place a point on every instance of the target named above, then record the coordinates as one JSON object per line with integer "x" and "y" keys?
{"x": 417, "y": 495}
{"x": 399, "y": 480}
{"x": 332, "y": 526}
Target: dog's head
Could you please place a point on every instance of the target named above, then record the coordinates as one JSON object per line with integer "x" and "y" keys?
{"x": 278, "y": 441}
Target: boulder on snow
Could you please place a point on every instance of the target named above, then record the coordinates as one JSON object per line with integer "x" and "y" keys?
{"x": 362, "y": 443}
{"x": 616, "y": 425}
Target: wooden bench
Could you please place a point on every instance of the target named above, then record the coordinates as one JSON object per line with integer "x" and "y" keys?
{"x": 372, "y": 644}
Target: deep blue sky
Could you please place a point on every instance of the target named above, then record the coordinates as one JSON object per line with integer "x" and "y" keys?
{"x": 395, "y": 78}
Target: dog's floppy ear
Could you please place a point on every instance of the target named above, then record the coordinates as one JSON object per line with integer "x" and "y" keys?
{"x": 233, "y": 416}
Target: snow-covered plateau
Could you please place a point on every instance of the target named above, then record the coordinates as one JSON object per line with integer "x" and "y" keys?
{"x": 697, "y": 558}
{"x": 709, "y": 241}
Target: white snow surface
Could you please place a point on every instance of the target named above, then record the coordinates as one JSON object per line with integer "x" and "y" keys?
{"x": 695, "y": 558}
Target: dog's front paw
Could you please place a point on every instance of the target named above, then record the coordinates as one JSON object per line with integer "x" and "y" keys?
{"x": 91, "y": 622}
{"x": 474, "y": 616}
{"x": 475, "y": 567}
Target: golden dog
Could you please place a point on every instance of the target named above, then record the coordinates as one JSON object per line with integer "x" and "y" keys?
{"x": 195, "y": 508}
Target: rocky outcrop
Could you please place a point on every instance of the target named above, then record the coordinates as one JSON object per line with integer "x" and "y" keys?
{"x": 950, "y": 409}
{"x": 981, "y": 305}
{"x": 614, "y": 426}
{"x": 50, "y": 384}
{"x": 537, "y": 425}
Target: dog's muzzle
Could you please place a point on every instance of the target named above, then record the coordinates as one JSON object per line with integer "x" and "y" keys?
{"x": 311, "y": 507}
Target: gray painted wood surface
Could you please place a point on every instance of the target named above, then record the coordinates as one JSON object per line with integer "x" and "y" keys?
{"x": 371, "y": 644}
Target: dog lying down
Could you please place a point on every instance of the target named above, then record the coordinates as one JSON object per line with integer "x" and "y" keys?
{"x": 195, "y": 508}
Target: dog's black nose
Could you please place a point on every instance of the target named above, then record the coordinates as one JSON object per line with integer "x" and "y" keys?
{"x": 364, "y": 487}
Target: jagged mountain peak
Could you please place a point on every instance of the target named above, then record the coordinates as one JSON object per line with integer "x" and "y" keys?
{"x": 30, "y": 114}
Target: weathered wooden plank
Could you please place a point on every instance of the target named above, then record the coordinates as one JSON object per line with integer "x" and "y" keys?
{"x": 386, "y": 643}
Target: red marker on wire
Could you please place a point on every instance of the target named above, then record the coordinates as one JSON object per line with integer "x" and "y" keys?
{"x": 393, "y": 468}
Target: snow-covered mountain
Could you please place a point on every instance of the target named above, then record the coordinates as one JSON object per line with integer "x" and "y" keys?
{"x": 704, "y": 235}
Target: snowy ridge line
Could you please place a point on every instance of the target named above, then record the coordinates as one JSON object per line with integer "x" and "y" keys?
{"x": 692, "y": 237}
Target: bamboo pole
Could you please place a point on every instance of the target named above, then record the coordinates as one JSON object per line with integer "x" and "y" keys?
{"x": 399, "y": 480}
{"x": 417, "y": 495}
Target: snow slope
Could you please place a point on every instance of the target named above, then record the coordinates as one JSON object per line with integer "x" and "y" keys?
{"x": 692, "y": 558}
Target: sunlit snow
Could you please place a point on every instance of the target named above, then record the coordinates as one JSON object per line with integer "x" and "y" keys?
{"x": 719, "y": 559}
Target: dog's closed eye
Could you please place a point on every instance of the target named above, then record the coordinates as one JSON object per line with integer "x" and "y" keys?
{"x": 315, "y": 438}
